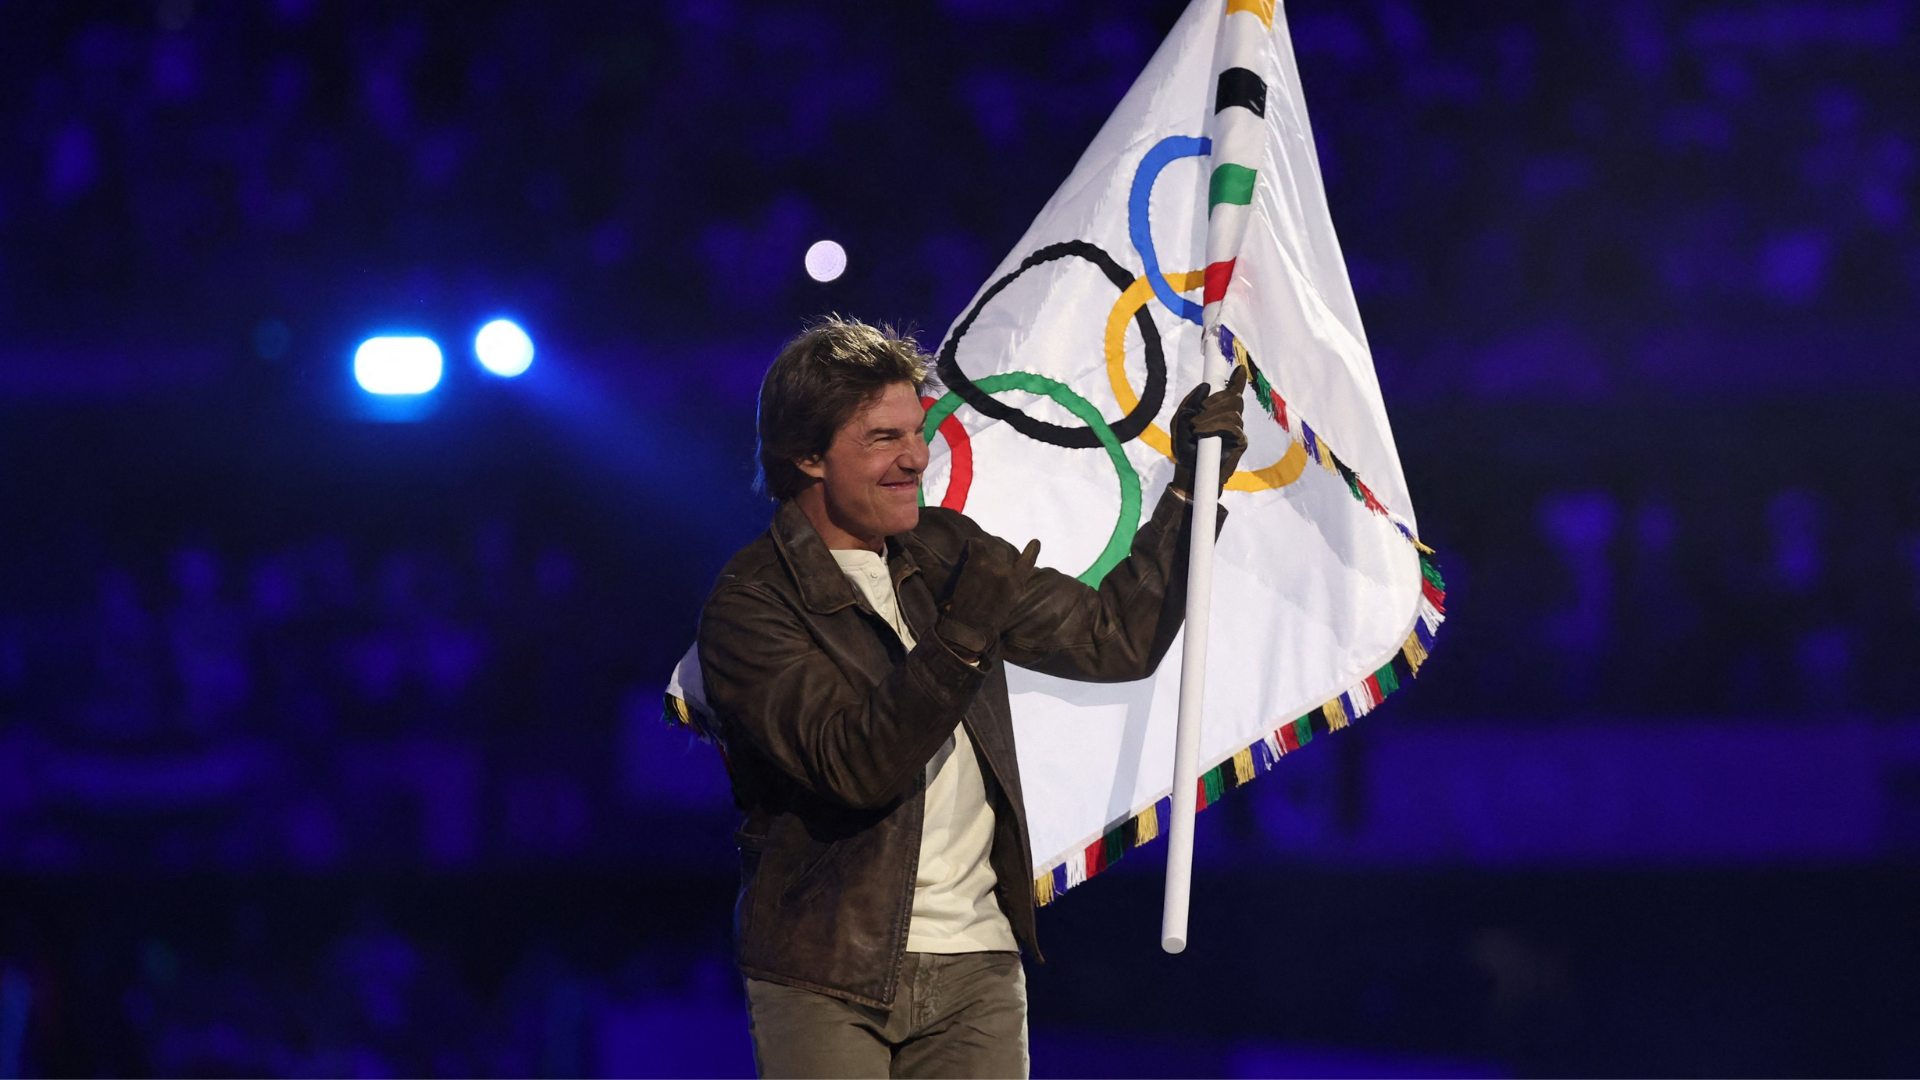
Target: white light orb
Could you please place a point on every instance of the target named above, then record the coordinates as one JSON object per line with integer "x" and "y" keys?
{"x": 503, "y": 348}
{"x": 397, "y": 366}
{"x": 826, "y": 260}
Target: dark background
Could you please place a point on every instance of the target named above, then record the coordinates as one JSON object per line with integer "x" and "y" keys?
{"x": 331, "y": 746}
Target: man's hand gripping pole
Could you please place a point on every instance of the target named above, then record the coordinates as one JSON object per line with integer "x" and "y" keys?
{"x": 1211, "y": 432}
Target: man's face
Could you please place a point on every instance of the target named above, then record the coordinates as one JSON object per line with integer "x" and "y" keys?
{"x": 870, "y": 476}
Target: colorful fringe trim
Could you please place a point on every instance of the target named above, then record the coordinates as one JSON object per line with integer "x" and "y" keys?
{"x": 1341, "y": 711}
{"x": 1317, "y": 449}
{"x": 676, "y": 713}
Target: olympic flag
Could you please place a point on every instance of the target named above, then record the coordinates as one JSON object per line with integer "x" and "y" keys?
{"x": 1059, "y": 382}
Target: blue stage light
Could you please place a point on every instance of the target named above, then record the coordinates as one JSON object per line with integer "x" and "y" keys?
{"x": 397, "y": 366}
{"x": 503, "y": 348}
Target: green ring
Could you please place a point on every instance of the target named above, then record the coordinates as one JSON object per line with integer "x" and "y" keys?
{"x": 1129, "y": 521}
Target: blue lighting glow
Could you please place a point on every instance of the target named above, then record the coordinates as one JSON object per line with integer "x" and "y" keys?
{"x": 503, "y": 348}
{"x": 397, "y": 366}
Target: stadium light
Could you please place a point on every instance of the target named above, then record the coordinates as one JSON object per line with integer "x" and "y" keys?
{"x": 503, "y": 348}
{"x": 826, "y": 260}
{"x": 397, "y": 366}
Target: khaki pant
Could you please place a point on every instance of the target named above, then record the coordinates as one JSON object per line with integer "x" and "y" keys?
{"x": 959, "y": 1015}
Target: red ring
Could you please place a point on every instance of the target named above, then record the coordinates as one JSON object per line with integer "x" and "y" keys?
{"x": 960, "y": 476}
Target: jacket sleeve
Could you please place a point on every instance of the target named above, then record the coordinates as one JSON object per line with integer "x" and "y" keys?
{"x": 769, "y": 683}
{"x": 1120, "y": 631}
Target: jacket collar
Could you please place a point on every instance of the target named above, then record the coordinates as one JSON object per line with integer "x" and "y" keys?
{"x": 824, "y": 587}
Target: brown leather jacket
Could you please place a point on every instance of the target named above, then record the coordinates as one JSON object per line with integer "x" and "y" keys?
{"x": 828, "y": 723}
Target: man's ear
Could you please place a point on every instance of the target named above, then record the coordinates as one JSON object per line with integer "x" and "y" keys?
{"x": 815, "y": 467}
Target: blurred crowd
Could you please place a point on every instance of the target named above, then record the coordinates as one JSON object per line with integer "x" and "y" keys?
{"x": 262, "y": 995}
{"x": 653, "y": 169}
{"x": 1784, "y": 602}
{"x": 1640, "y": 278}
{"x": 335, "y": 703}
{"x": 316, "y": 707}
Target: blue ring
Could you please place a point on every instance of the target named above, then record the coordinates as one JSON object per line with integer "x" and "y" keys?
{"x": 1165, "y": 152}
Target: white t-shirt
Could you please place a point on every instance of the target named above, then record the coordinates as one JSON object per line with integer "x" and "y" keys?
{"x": 953, "y": 906}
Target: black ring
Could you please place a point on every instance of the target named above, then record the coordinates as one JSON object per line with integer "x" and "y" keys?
{"x": 1127, "y": 427}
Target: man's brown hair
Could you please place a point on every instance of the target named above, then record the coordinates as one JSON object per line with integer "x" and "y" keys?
{"x": 819, "y": 380}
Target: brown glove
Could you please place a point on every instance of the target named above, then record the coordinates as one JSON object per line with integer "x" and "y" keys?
{"x": 981, "y": 594}
{"x": 1203, "y": 414}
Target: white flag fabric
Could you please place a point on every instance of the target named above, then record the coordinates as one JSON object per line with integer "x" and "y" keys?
{"x": 1059, "y": 382}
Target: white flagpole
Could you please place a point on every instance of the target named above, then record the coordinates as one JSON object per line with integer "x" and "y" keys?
{"x": 1223, "y": 241}
{"x": 1193, "y": 669}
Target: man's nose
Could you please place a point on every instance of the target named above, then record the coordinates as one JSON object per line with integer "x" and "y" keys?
{"x": 916, "y": 458}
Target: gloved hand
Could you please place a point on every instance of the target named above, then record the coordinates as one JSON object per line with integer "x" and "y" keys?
{"x": 980, "y": 595}
{"x": 1204, "y": 414}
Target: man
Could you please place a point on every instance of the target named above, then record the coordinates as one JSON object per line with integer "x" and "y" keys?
{"x": 853, "y": 665}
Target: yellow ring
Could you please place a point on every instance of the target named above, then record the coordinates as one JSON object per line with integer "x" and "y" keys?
{"x": 1132, "y": 299}
{"x": 1260, "y": 9}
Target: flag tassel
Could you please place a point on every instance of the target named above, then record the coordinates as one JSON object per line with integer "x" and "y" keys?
{"x": 1240, "y": 767}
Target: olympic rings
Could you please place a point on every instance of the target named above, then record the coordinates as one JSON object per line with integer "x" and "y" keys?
{"x": 1128, "y": 523}
{"x": 1139, "y": 227}
{"x": 1127, "y": 427}
{"x": 960, "y": 469}
{"x": 1135, "y": 293}
{"x": 1132, "y": 302}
